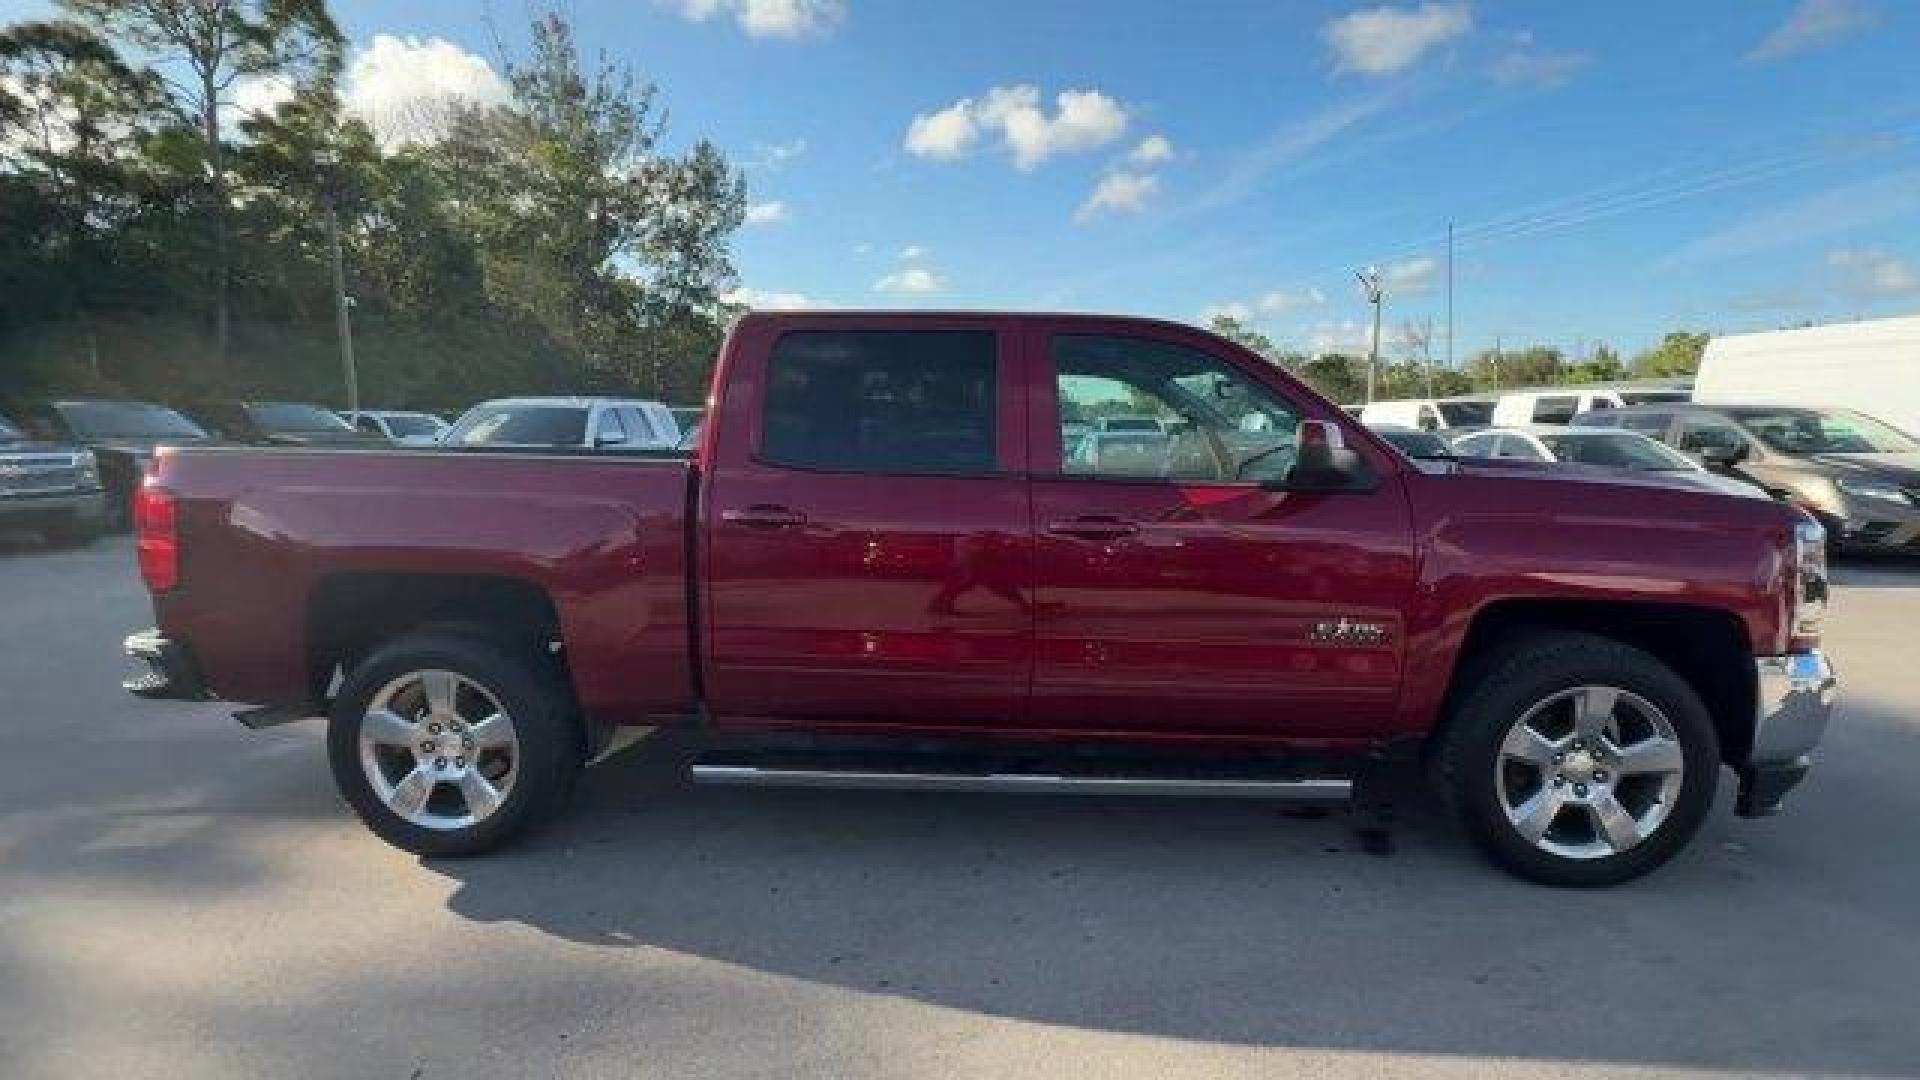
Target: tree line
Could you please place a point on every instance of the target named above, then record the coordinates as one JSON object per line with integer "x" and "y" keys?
{"x": 1412, "y": 373}
{"x": 154, "y": 243}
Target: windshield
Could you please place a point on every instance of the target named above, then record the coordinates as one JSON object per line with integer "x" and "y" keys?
{"x": 127, "y": 420}
{"x": 1615, "y": 450}
{"x": 1466, "y": 413}
{"x": 282, "y": 416}
{"x": 410, "y": 426}
{"x": 1799, "y": 432}
{"x": 522, "y": 425}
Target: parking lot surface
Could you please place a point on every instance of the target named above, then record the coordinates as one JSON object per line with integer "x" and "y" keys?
{"x": 180, "y": 897}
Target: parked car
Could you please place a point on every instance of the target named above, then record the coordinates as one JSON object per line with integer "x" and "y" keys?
{"x": 1872, "y": 366}
{"x": 49, "y": 487}
{"x": 1602, "y": 448}
{"x": 876, "y": 579}
{"x": 121, "y": 435}
{"x": 1418, "y": 445}
{"x": 407, "y": 427}
{"x": 1559, "y": 405}
{"x": 583, "y": 423}
{"x": 1858, "y": 476}
{"x": 282, "y": 423}
{"x": 1453, "y": 415}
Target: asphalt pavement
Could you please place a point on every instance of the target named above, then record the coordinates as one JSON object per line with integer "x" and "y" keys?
{"x": 180, "y": 897}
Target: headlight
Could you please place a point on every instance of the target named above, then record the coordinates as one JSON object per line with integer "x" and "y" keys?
{"x": 1872, "y": 489}
{"x": 87, "y": 467}
{"x": 1807, "y": 607}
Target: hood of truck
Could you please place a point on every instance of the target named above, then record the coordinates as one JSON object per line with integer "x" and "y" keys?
{"x": 35, "y": 448}
{"x": 1903, "y": 469}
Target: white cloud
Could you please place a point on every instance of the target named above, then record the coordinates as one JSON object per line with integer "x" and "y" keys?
{"x": 1815, "y": 24}
{"x": 916, "y": 280}
{"x": 1347, "y": 337}
{"x": 407, "y": 89}
{"x": 1282, "y": 301}
{"x": 1526, "y": 63}
{"x": 1081, "y": 120}
{"x": 1383, "y": 40}
{"x": 769, "y": 18}
{"x": 1152, "y": 150}
{"x": 769, "y": 301}
{"x": 257, "y": 95}
{"x": 913, "y": 253}
{"x": 1118, "y": 193}
{"x": 1872, "y": 274}
{"x": 773, "y": 156}
{"x": 768, "y": 213}
{"x": 1849, "y": 208}
{"x": 944, "y": 135}
{"x": 1415, "y": 275}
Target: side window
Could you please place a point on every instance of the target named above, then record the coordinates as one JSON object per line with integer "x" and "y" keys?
{"x": 1479, "y": 445}
{"x": 882, "y": 402}
{"x": 1162, "y": 411}
{"x": 368, "y": 424}
{"x": 1653, "y": 425}
{"x": 1512, "y": 446}
{"x": 637, "y": 424}
{"x": 1599, "y": 403}
{"x": 608, "y": 429}
{"x": 1429, "y": 418}
{"x": 1705, "y": 434}
{"x": 1557, "y": 409}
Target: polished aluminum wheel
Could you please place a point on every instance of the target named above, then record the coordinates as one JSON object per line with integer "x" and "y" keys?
{"x": 1589, "y": 772}
{"x": 439, "y": 749}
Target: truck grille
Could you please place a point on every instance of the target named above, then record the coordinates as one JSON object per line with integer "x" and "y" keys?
{"x": 37, "y": 476}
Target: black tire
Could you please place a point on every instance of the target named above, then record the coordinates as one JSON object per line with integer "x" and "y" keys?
{"x": 527, "y": 687}
{"x": 1510, "y": 682}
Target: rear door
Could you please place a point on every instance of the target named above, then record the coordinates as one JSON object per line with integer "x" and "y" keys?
{"x": 868, "y": 553}
{"x": 1181, "y": 587}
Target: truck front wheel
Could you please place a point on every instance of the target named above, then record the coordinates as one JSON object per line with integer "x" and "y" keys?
{"x": 1578, "y": 760}
{"x": 449, "y": 745}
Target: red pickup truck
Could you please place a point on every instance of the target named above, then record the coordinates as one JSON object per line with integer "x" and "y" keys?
{"x": 911, "y": 552}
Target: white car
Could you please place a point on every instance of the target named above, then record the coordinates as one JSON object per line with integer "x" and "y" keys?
{"x": 1431, "y": 414}
{"x": 575, "y": 423}
{"x": 403, "y": 426}
{"x": 1604, "y": 448}
{"x": 1560, "y": 404}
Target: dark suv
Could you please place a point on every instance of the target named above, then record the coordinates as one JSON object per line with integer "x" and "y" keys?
{"x": 1860, "y": 477}
{"x": 283, "y": 423}
{"x": 49, "y": 487}
{"x": 121, "y": 435}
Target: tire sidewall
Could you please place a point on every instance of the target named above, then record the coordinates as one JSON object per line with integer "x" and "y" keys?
{"x": 1528, "y": 677}
{"x": 548, "y": 743}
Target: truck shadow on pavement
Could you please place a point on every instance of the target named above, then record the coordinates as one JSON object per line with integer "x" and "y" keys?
{"x": 1232, "y": 923}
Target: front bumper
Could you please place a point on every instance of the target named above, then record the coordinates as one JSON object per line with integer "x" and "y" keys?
{"x": 170, "y": 674}
{"x": 33, "y": 511}
{"x": 1795, "y": 700}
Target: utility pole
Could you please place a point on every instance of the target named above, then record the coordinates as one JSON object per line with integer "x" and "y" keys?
{"x": 1449, "y": 296}
{"x": 342, "y": 306}
{"x": 1370, "y": 281}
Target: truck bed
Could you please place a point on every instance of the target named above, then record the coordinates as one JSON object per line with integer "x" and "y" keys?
{"x": 278, "y": 544}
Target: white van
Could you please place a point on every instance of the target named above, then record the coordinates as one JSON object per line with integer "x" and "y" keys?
{"x": 1872, "y": 367}
{"x": 1431, "y": 414}
{"x": 1560, "y": 404}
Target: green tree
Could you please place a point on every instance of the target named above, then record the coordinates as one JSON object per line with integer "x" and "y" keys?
{"x": 217, "y": 43}
{"x": 1677, "y": 354}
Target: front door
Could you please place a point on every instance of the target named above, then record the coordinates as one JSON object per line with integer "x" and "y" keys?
{"x": 868, "y": 559}
{"x": 1180, "y": 586}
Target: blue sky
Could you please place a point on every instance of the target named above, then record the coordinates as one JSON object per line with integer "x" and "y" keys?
{"x": 1613, "y": 170}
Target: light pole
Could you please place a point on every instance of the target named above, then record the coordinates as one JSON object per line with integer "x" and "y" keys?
{"x": 1370, "y": 281}
{"x": 342, "y": 303}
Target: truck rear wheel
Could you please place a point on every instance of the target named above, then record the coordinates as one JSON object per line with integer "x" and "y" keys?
{"x": 1577, "y": 760}
{"x": 447, "y": 744}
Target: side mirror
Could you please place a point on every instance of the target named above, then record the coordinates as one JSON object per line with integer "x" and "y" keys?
{"x": 1322, "y": 461}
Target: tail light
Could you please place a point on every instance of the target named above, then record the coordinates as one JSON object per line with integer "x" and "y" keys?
{"x": 1807, "y": 608}
{"x": 156, "y": 537}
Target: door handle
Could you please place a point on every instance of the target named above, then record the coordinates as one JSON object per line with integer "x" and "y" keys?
{"x": 1094, "y": 527}
{"x": 764, "y": 516}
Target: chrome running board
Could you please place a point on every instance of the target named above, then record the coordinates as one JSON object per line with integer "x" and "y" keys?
{"x": 1314, "y": 790}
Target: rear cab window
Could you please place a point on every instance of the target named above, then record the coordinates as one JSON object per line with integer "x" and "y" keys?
{"x": 912, "y": 402}
{"x": 1555, "y": 409}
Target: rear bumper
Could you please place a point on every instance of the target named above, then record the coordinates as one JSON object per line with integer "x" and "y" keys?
{"x": 170, "y": 673}
{"x": 1795, "y": 702}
